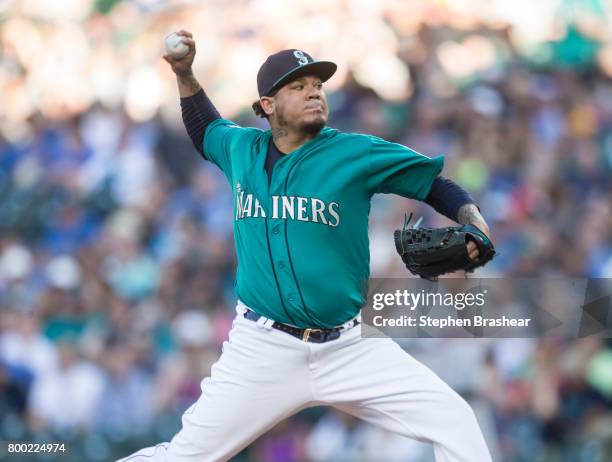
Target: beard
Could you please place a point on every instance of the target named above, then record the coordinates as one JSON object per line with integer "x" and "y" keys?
{"x": 312, "y": 127}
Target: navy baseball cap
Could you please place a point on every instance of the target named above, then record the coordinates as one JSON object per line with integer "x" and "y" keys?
{"x": 287, "y": 65}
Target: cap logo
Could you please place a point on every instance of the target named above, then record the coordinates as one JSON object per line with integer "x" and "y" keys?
{"x": 302, "y": 60}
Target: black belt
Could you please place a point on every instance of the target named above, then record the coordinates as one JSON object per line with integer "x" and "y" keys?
{"x": 308, "y": 334}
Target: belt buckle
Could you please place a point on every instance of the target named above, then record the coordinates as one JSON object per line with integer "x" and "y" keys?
{"x": 307, "y": 333}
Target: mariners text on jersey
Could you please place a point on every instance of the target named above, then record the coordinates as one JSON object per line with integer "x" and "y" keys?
{"x": 289, "y": 208}
{"x": 301, "y": 236}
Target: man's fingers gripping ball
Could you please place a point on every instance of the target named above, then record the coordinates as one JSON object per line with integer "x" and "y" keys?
{"x": 176, "y": 46}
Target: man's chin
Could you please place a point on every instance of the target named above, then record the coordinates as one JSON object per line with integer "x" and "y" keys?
{"x": 312, "y": 127}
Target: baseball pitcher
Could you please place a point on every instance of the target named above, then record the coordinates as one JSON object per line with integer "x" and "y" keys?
{"x": 302, "y": 195}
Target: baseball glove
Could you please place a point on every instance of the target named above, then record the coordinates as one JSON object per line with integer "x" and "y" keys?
{"x": 430, "y": 252}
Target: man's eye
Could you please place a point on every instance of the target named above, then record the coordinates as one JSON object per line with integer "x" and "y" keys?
{"x": 298, "y": 87}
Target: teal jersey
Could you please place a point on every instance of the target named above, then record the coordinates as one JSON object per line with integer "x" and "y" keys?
{"x": 302, "y": 238}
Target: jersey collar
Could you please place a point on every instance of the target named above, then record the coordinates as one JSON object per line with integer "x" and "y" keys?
{"x": 259, "y": 181}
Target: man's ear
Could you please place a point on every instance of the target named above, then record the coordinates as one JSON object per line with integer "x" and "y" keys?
{"x": 267, "y": 104}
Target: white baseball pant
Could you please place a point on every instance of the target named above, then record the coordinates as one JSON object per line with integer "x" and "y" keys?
{"x": 264, "y": 376}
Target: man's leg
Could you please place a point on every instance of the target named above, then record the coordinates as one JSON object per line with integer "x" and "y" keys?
{"x": 260, "y": 379}
{"x": 375, "y": 380}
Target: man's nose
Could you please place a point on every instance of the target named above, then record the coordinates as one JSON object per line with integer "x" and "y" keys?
{"x": 314, "y": 92}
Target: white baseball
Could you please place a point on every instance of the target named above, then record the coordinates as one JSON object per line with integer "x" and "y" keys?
{"x": 175, "y": 47}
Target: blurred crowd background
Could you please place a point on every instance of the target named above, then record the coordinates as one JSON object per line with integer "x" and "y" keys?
{"x": 116, "y": 248}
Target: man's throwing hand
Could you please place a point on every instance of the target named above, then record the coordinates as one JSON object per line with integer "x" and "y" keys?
{"x": 183, "y": 65}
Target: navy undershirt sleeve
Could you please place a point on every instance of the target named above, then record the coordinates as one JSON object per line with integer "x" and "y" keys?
{"x": 447, "y": 197}
{"x": 198, "y": 112}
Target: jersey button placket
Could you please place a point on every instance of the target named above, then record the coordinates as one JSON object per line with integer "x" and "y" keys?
{"x": 278, "y": 249}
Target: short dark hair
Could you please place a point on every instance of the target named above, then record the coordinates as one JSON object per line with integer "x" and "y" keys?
{"x": 259, "y": 110}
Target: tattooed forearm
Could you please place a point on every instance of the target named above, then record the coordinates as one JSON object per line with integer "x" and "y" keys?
{"x": 469, "y": 214}
{"x": 188, "y": 84}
